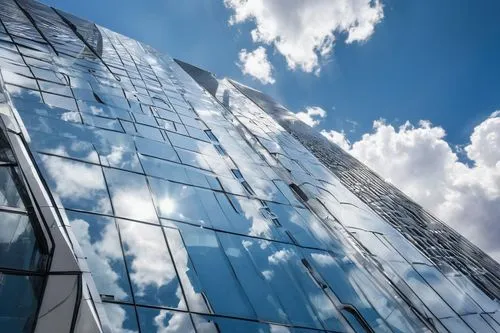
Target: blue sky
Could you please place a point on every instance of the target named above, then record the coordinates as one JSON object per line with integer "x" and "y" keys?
{"x": 431, "y": 60}
{"x": 409, "y": 61}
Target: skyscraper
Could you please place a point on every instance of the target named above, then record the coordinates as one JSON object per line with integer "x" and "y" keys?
{"x": 142, "y": 194}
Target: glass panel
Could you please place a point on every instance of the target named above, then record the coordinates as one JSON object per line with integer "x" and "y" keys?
{"x": 58, "y": 101}
{"x": 130, "y": 195}
{"x": 209, "y": 324}
{"x": 116, "y": 150}
{"x": 98, "y": 238}
{"x": 216, "y": 276}
{"x": 187, "y": 274}
{"x": 455, "y": 324}
{"x": 301, "y": 230}
{"x": 149, "y": 132}
{"x": 478, "y": 324}
{"x": 178, "y": 202}
{"x": 121, "y": 318}
{"x": 264, "y": 300}
{"x": 428, "y": 296}
{"x": 243, "y": 215}
{"x": 274, "y": 264}
{"x": 99, "y": 109}
{"x": 105, "y": 123}
{"x": 156, "y": 149}
{"x": 56, "y": 145}
{"x": 25, "y": 290}
{"x": 163, "y": 321}
{"x": 78, "y": 185}
{"x": 152, "y": 273}
{"x": 458, "y": 300}
{"x": 193, "y": 159}
{"x": 9, "y": 196}
{"x": 163, "y": 169}
{"x": 18, "y": 245}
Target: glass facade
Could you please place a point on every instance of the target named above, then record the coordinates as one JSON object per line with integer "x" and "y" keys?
{"x": 186, "y": 206}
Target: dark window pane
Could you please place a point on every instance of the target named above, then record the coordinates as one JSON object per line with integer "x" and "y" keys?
{"x": 25, "y": 292}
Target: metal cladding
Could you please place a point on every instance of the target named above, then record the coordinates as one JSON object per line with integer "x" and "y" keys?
{"x": 135, "y": 198}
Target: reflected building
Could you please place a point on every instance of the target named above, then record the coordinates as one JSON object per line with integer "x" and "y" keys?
{"x": 142, "y": 194}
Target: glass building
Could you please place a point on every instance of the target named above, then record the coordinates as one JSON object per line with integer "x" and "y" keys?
{"x": 142, "y": 194}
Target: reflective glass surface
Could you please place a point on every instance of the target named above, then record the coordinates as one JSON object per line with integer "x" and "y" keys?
{"x": 197, "y": 210}
{"x": 25, "y": 291}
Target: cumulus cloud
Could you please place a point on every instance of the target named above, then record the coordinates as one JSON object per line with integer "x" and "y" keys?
{"x": 419, "y": 161}
{"x": 280, "y": 256}
{"x": 304, "y": 32}
{"x": 312, "y": 115}
{"x": 338, "y": 138}
{"x": 256, "y": 64}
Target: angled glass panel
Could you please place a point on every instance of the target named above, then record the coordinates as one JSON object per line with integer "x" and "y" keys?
{"x": 456, "y": 324}
{"x": 18, "y": 80}
{"x": 178, "y": 202}
{"x": 156, "y": 149}
{"x": 187, "y": 274}
{"x": 428, "y": 296}
{"x": 478, "y": 324}
{"x": 45, "y": 110}
{"x": 464, "y": 284}
{"x": 58, "y": 101}
{"x": 221, "y": 287}
{"x": 193, "y": 159}
{"x": 264, "y": 300}
{"x": 152, "y": 273}
{"x": 274, "y": 265}
{"x": 149, "y": 132}
{"x": 57, "y": 145}
{"x": 130, "y": 195}
{"x": 79, "y": 185}
{"x": 163, "y": 169}
{"x": 163, "y": 321}
{"x": 244, "y": 216}
{"x": 100, "y": 122}
{"x": 23, "y": 93}
{"x": 212, "y": 324}
{"x": 9, "y": 195}
{"x": 55, "y": 88}
{"x": 116, "y": 150}
{"x": 145, "y": 120}
{"x": 98, "y": 238}
{"x": 456, "y": 298}
{"x": 303, "y": 232}
{"x": 121, "y": 318}
{"x": 19, "y": 248}
{"x": 99, "y": 109}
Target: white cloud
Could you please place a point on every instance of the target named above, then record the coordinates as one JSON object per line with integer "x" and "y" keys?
{"x": 256, "y": 64}
{"x": 304, "y": 31}
{"x": 337, "y": 137}
{"x": 322, "y": 259}
{"x": 280, "y": 256}
{"x": 422, "y": 164}
{"x": 312, "y": 115}
{"x": 145, "y": 245}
